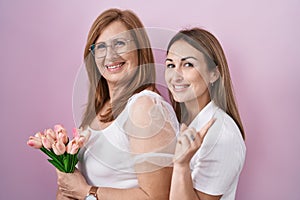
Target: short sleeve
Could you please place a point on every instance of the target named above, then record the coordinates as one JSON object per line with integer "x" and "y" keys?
{"x": 151, "y": 127}
{"x": 216, "y": 166}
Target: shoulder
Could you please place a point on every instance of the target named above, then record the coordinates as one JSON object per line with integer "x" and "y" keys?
{"x": 145, "y": 97}
{"x": 230, "y": 133}
{"x": 146, "y": 106}
{"x": 143, "y": 100}
{"x": 140, "y": 105}
{"x": 151, "y": 122}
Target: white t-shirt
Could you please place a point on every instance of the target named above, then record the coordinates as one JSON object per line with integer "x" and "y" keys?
{"x": 216, "y": 166}
{"x": 106, "y": 159}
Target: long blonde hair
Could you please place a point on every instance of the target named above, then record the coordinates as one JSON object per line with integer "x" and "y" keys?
{"x": 144, "y": 76}
{"x": 222, "y": 91}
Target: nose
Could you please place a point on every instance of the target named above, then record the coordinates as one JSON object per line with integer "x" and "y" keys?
{"x": 110, "y": 52}
{"x": 178, "y": 75}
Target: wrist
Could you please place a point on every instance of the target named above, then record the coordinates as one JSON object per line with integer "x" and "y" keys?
{"x": 181, "y": 167}
{"x": 92, "y": 193}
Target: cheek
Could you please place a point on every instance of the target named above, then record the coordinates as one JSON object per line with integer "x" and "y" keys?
{"x": 200, "y": 82}
{"x": 168, "y": 75}
{"x": 197, "y": 82}
{"x": 191, "y": 76}
{"x": 198, "y": 76}
{"x": 100, "y": 65}
{"x": 131, "y": 58}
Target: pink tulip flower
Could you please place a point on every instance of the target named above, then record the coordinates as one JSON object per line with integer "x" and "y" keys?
{"x": 34, "y": 142}
{"x": 63, "y": 137}
{"x": 50, "y": 134}
{"x": 80, "y": 136}
{"x": 59, "y": 147}
{"x": 81, "y": 140}
{"x": 50, "y": 139}
{"x": 75, "y": 132}
{"x": 57, "y": 139}
{"x": 72, "y": 147}
{"x": 61, "y": 132}
{"x": 39, "y": 135}
{"x": 46, "y": 142}
{"x": 59, "y": 128}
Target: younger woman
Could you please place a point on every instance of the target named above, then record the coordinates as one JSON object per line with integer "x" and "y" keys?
{"x": 200, "y": 87}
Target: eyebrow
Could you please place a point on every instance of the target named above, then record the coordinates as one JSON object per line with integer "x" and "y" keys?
{"x": 182, "y": 59}
{"x": 122, "y": 36}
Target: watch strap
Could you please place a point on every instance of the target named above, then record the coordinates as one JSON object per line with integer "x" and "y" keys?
{"x": 93, "y": 191}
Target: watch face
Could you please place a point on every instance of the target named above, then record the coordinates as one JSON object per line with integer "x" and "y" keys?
{"x": 90, "y": 197}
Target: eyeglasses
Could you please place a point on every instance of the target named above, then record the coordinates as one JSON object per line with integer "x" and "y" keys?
{"x": 118, "y": 45}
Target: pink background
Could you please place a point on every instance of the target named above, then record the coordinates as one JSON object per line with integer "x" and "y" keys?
{"x": 41, "y": 46}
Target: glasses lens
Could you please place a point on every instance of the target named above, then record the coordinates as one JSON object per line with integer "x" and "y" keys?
{"x": 119, "y": 45}
{"x": 100, "y": 50}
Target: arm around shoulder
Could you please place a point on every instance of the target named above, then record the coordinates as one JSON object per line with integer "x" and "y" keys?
{"x": 152, "y": 138}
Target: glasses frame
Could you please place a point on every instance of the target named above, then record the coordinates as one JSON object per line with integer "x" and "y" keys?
{"x": 92, "y": 47}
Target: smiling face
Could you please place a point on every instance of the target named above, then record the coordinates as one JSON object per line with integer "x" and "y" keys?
{"x": 116, "y": 66}
{"x": 186, "y": 74}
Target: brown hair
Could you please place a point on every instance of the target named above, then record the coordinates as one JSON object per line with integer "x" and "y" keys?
{"x": 144, "y": 76}
{"x": 222, "y": 91}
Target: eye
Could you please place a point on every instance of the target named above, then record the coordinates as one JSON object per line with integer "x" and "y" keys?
{"x": 188, "y": 64}
{"x": 100, "y": 46}
{"x": 119, "y": 43}
{"x": 170, "y": 65}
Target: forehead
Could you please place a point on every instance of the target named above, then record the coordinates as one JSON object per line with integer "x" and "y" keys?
{"x": 181, "y": 49}
{"x": 114, "y": 30}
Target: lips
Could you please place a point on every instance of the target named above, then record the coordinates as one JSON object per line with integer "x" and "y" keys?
{"x": 113, "y": 67}
{"x": 180, "y": 88}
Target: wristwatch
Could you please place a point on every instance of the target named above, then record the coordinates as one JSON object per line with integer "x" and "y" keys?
{"x": 92, "y": 195}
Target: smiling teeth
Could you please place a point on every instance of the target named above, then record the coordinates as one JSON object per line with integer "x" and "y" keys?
{"x": 180, "y": 86}
{"x": 114, "y": 66}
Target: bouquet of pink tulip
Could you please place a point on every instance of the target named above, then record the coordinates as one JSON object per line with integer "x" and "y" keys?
{"x": 55, "y": 143}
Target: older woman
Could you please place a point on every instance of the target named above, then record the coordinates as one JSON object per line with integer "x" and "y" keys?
{"x": 129, "y": 153}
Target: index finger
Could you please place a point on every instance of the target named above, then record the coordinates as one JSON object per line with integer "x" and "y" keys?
{"x": 183, "y": 127}
{"x": 205, "y": 128}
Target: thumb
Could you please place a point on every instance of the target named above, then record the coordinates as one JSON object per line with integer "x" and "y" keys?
{"x": 183, "y": 127}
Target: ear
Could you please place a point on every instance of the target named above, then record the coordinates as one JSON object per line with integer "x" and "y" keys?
{"x": 214, "y": 75}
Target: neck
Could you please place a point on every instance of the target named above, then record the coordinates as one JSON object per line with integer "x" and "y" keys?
{"x": 114, "y": 91}
{"x": 195, "y": 106}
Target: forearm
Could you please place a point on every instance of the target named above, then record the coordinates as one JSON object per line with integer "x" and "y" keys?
{"x": 113, "y": 193}
{"x": 130, "y": 194}
{"x": 153, "y": 186}
{"x": 182, "y": 184}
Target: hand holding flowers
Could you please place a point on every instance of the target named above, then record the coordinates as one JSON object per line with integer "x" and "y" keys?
{"x": 55, "y": 143}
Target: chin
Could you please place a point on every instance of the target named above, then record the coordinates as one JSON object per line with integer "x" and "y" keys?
{"x": 179, "y": 100}
{"x": 184, "y": 98}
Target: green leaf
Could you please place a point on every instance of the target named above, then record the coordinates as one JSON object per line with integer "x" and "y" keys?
{"x": 73, "y": 159}
{"x": 55, "y": 158}
{"x": 57, "y": 165}
{"x": 47, "y": 152}
{"x": 66, "y": 162}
